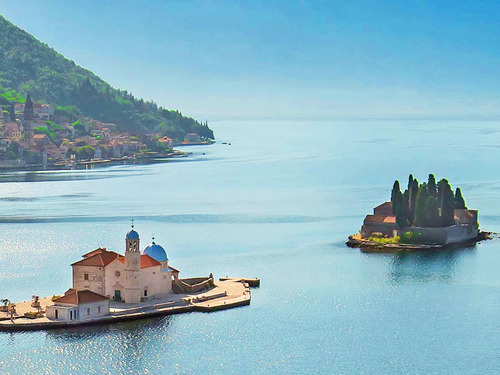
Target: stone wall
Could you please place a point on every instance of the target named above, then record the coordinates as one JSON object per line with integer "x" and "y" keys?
{"x": 385, "y": 228}
{"x": 441, "y": 236}
{"x": 193, "y": 285}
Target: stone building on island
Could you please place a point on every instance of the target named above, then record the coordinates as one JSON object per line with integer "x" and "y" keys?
{"x": 383, "y": 223}
{"x": 103, "y": 276}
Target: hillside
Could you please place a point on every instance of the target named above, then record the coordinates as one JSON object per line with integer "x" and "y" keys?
{"x": 28, "y": 65}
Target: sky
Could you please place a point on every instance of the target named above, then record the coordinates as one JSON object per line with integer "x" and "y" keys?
{"x": 224, "y": 59}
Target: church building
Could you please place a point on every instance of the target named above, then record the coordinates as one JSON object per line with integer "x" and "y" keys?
{"x": 131, "y": 278}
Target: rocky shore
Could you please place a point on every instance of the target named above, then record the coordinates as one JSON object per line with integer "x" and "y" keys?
{"x": 370, "y": 246}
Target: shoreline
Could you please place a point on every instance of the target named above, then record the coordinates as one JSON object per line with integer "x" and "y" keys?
{"x": 367, "y": 246}
{"x": 225, "y": 295}
{"x": 98, "y": 163}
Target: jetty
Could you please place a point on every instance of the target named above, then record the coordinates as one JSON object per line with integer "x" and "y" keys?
{"x": 226, "y": 294}
{"x": 252, "y": 282}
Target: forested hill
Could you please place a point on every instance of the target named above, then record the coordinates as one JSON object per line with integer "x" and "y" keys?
{"x": 28, "y": 65}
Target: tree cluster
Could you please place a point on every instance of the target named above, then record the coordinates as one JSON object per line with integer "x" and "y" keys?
{"x": 427, "y": 204}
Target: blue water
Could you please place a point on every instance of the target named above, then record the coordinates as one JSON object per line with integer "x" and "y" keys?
{"x": 278, "y": 203}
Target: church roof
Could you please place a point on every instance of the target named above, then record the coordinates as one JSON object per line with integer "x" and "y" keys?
{"x": 94, "y": 252}
{"x": 132, "y": 235}
{"x": 146, "y": 261}
{"x": 29, "y": 103}
{"x": 79, "y": 297}
{"x": 156, "y": 252}
{"x": 97, "y": 258}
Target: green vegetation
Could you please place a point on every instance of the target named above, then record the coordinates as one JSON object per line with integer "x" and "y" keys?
{"x": 27, "y": 65}
{"x": 85, "y": 152}
{"x": 42, "y": 130}
{"x": 459, "y": 200}
{"x": 426, "y": 204}
{"x": 384, "y": 240}
{"x": 410, "y": 237}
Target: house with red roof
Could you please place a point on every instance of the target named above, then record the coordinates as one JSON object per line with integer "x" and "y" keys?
{"x": 78, "y": 305}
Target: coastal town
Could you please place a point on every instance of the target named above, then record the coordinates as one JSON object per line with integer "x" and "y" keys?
{"x": 38, "y": 135}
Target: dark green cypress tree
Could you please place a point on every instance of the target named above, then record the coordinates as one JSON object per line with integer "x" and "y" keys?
{"x": 432, "y": 219}
{"x": 410, "y": 182}
{"x": 396, "y": 190}
{"x": 459, "y": 200}
{"x": 447, "y": 204}
{"x": 413, "y": 199}
{"x": 401, "y": 217}
{"x": 420, "y": 207}
{"x": 406, "y": 201}
{"x": 440, "y": 188}
{"x": 431, "y": 186}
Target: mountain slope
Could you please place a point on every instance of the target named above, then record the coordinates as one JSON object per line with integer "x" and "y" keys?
{"x": 28, "y": 65}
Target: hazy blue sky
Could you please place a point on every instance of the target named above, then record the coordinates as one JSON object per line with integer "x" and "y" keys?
{"x": 272, "y": 59}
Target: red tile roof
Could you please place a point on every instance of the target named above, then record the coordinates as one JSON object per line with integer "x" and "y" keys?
{"x": 97, "y": 258}
{"x": 380, "y": 219}
{"x": 93, "y": 252}
{"x": 80, "y": 297}
{"x": 384, "y": 205}
{"x": 146, "y": 261}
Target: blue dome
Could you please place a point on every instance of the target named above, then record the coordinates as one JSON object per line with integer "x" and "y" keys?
{"x": 132, "y": 235}
{"x": 156, "y": 252}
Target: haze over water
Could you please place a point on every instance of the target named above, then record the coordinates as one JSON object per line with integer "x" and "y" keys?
{"x": 278, "y": 203}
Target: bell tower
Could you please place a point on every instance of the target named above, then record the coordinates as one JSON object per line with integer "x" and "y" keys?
{"x": 29, "y": 135}
{"x": 133, "y": 287}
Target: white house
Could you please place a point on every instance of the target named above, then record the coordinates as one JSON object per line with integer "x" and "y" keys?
{"x": 78, "y": 305}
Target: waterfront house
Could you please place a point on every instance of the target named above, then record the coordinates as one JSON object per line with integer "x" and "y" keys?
{"x": 41, "y": 139}
{"x": 192, "y": 138}
{"x": 166, "y": 143}
{"x": 382, "y": 221}
{"x": 78, "y": 305}
{"x": 13, "y": 130}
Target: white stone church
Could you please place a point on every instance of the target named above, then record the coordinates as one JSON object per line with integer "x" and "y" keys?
{"x": 104, "y": 275}
{"x": 132, "y": 278}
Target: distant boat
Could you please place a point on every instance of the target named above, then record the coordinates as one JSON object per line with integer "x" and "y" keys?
{"x": 224, "y": 143}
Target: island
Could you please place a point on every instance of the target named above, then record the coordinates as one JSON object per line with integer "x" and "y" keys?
{"x": 109, "y": 287}
{"x": 426, "y": 215}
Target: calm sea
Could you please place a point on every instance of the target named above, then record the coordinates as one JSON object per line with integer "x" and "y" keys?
{"x": 278, "y": 203}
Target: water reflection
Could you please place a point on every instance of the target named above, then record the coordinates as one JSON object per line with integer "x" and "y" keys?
{"x": 128, "y": 330}
{"x": 45, "y": 198}
{"x": 427, "y": 266}
{"x": 92, "y": 174}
